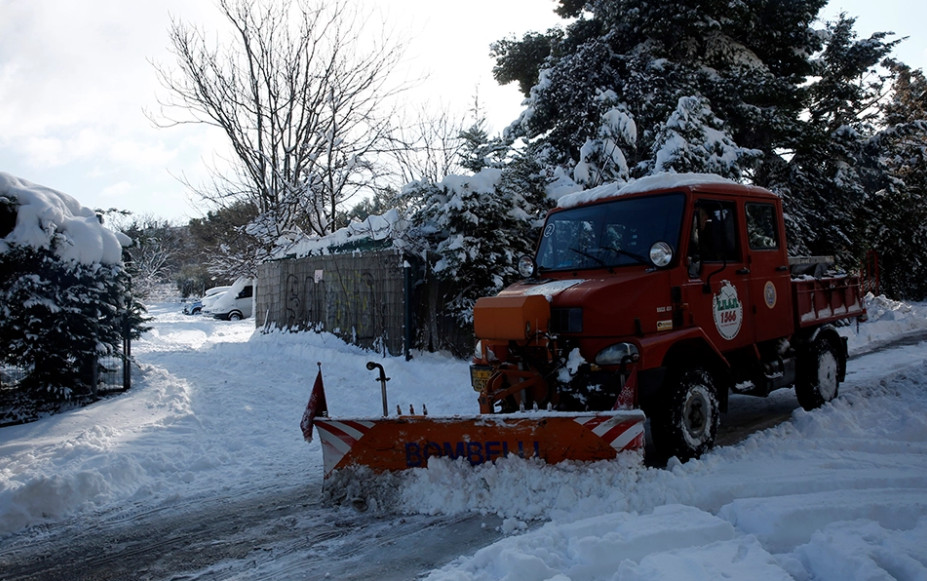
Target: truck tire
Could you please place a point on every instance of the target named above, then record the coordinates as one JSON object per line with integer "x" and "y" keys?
{"x": 818, "y": 375}
{"x": 234, "y": 316}
{"x": 686, "y": 420}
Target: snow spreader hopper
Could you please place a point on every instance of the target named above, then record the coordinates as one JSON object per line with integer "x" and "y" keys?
{"x": 662, "y": 298}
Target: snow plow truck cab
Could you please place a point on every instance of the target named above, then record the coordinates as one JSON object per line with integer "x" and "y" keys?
{"x": 665, "y": 295}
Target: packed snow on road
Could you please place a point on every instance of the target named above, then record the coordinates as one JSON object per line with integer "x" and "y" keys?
{"x": 839, "y": 493}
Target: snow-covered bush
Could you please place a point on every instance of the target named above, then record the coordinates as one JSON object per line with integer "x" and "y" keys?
{"x": 477, "y": 226}
{"x": 65, "y": 297}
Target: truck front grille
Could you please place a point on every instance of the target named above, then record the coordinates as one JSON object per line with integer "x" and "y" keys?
{"x": 566, "y": 320}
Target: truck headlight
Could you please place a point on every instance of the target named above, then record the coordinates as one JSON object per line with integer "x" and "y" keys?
{"x": 617, "y": 354}
{"x": 478, "y": 352}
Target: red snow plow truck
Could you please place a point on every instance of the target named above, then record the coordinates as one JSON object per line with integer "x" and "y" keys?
{"x": 651, "y": 301}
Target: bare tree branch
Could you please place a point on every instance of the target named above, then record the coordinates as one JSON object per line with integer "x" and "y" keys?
{"x": 300, "y": 91}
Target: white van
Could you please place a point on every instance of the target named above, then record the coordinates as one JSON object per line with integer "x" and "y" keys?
{"x": 235, "y": 303}
{"x": 196, "y": 306}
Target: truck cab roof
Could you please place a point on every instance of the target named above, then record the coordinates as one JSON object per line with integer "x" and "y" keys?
{"x": 692, "y": 182}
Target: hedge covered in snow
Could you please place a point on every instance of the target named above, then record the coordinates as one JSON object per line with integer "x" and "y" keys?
{"x": 65, "y": 294}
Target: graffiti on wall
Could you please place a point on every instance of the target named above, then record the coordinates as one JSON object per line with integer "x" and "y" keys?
{"x": 354, "y": 303}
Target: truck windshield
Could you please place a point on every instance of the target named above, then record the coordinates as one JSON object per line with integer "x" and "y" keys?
{"x": 615, "y": 233}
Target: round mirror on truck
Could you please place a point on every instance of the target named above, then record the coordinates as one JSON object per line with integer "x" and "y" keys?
{"x": 526, "y": 266}
{"x": 661, "y": 254}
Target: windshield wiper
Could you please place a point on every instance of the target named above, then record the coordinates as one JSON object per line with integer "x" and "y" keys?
{"x": 627, "y": 253}
{"x": 590, "y": 256}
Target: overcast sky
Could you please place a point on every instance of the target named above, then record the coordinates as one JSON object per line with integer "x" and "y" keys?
{"x": 75, "y": 77}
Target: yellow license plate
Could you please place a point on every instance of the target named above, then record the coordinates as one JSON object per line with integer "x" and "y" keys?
{"x": 479, "y": 376}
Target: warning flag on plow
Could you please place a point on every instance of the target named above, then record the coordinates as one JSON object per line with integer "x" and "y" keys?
{"x": 315, "y": 407}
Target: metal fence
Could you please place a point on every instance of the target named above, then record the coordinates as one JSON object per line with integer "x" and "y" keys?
{"x": 111, "y": 373}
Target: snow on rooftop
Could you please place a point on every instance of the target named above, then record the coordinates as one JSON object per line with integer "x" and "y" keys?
{"x": 654, "y": 182}
{"x": 47, "y": 218}
{"x": 380, "y": 227}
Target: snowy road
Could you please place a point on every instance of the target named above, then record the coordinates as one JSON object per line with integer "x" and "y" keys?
{"x": 272, "y": 534}
{"x": 203, "y": 509}
{"x": 199, "y": 472}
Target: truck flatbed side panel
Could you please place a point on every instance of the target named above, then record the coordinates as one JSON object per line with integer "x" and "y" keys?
{"x": 824, "y": 300}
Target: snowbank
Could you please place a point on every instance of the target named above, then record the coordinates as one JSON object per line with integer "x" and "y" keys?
{"x": 839, "y": 493}
{"x": 888, "y": 320}
{"x": 47, "y": 218}
{"x": 835, "y": 494}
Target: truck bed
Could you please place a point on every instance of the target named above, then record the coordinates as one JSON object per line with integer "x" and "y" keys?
{"x": 827, "y": 299}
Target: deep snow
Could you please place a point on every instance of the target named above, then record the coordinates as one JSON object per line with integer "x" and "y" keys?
{"x": 47, "y": 218}
{"x": 838, "y": 493}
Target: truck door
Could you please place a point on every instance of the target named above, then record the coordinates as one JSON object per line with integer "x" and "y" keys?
{"x": 770, "y": 279}
{"x": 718, "y": 291}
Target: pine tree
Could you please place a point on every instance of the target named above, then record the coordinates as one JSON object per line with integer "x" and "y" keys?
{"x": 478, "y": 226}
{"x": 694, "y": 140}
{"x": 478, "y": 150}
{"x": 58, "y": 317}
{"x": 746, "y": 61}
{"x": 902, "y": 201}
{"x": 602, "y": 158}
{"x": 833, "y": 163}
{"x": 749, "y": 90}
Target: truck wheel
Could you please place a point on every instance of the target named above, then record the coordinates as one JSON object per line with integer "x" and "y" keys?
{"x": 235, "y": 316}
{"x": 687, "y": 421}
{"x": 817, "y": 381}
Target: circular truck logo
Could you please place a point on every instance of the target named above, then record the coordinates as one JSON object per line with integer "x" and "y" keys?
{"x": 728, "y": 311}
{"x": 769, "y": 293}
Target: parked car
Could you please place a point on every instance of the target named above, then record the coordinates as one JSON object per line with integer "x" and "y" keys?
{"x": 195, "y": 306}
{"x": 233, "y": 304}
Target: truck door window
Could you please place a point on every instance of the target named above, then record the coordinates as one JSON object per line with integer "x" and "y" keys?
{"x": 714, "y": 232}
{"x": 762, "y": 232}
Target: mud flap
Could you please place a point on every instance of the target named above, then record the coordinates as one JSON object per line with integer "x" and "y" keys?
{"x": 391, "y": 444}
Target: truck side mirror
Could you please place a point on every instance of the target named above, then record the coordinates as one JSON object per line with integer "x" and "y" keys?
{"x": 695, "y": 267}
{"x": 661, "y": 254}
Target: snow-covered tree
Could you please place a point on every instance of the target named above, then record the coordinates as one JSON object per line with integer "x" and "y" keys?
{"x": 894, "y": 217}
{"x": 754, "y": 90}
{"x": 833, "y": 164}
{"x": 478, "y": 150}
{"x": 694, "y": 140}
{"x": 744, "y": 61}
{"x": 65, "y": 296}
{"x": 59, "y": 318}
{"x": 602, "y": 158}
{"x": 477, "y": 226}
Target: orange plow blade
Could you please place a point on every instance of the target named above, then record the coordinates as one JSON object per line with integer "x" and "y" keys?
{"x": 390, "y": 444}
